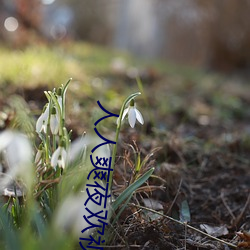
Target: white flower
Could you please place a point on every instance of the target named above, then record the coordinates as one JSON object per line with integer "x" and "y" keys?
{"x": 59, "y": 99}
{"x": 59, "y": 158}
{"x": 17, "y": 152}
{"x": 69, "y": 214}
{"x": 133, "y": 114}
{"x": 17, "y": 148}
{"x": 42, "y": 122}
{"x": 54, "y": 121}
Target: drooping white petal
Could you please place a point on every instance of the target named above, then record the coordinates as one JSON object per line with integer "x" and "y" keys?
{"x": 133, "y": 114}
{"x": 54, "y": 124}
{"x": 39, "y": 123}
{"x": 55, "y": 156}
{"x": 5, "y": 139}
{"x": 42, "y": 121}
{"x": 139, "y": 116}
{"x": 125, "y": 112}
{"x": 18, "y": 156}
{"x": 59, "y": 157}
{"x": 132, "y": 117}
{"x": 19, "y": 151}
{"x": 59, "y": 99}
{"x": 123, "y": 116}
{"x": 62, "y": 161}
{"x": 44, "y": 127}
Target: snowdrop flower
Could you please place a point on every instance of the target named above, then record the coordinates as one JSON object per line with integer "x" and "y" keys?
{"x": 17, "y": 152}
{"x": 54, "y": 121}
{"x": 69, "y": 215}
{"x": 59, "y": 157}
{"x": 42, "y": 122}
{"x": 133, "y": 114}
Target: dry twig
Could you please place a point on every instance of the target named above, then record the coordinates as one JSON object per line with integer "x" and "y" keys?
{"x": 184, "y": 224}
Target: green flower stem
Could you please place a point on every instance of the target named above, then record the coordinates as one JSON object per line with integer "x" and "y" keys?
{"x": 47, "y": 137}
{"x": 65, "y": 87}
{"x": 66, "y": 137}
{"x": 117, "y": 135}
{"x": 54, "y": 142}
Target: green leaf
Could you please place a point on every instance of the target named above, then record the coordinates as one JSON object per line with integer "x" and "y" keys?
{"x": 138, "y": 163}
{"x": 128, "y": 191}
{"x": 122, "y": 209}
{"x": 39, "y": 222}
{"x": 65, "y": 87}
{"x": 10, "y": 236}
{"x": 184, "y": 212}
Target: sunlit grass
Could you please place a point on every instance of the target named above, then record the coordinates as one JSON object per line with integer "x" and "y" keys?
{"x": 38, "y": 65}
{"x": 90, "y": 66}
{"x": 41, "y": 64}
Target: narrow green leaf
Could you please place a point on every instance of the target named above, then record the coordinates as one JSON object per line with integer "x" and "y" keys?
{"x": 138, "y": 163}
{"x": 184, "y": 212}
{"x": 65, "y": 87}
{"x": 128, "y": 191}
{"x": 122, "y": 209}
{"x": 10, "y": 236}
{"x": 39, "y": 222}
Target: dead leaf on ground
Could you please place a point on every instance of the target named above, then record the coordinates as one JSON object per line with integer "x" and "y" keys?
{"x": 215, "y": 231}
{"x": 245, "y": 236}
